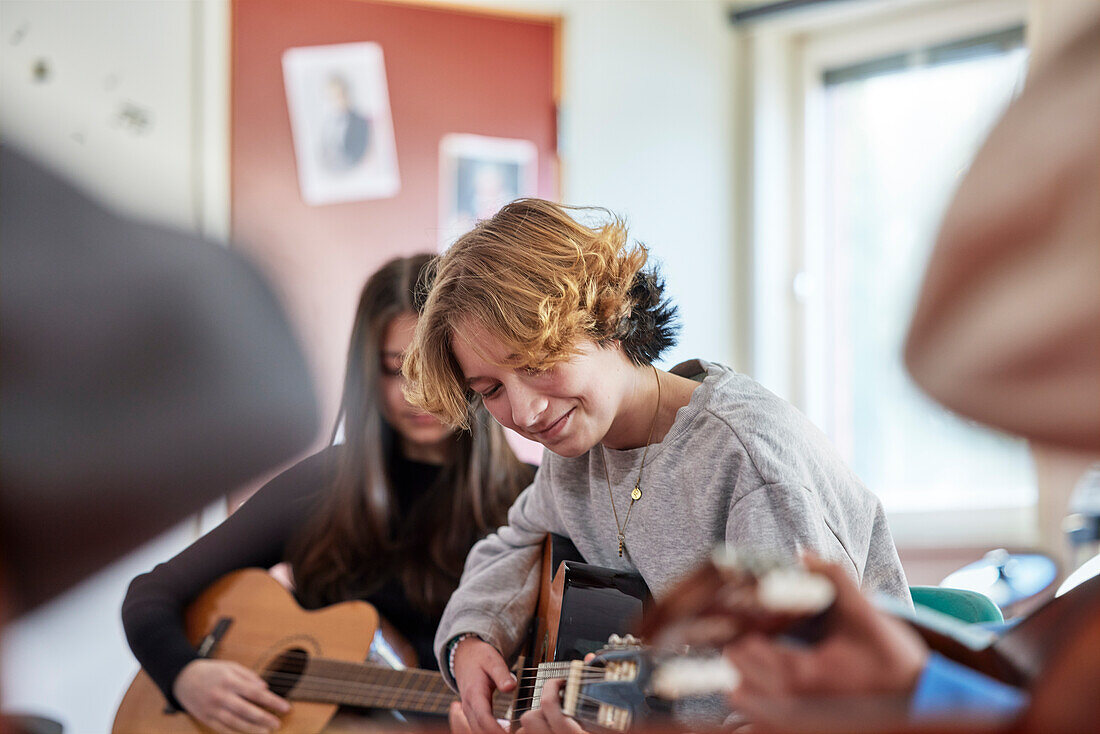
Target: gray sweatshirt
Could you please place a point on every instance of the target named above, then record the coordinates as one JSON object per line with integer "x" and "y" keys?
{"x": 739, "y": 465}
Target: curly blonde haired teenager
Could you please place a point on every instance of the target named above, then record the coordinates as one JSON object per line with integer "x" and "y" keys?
{"x": 549, "y": 317}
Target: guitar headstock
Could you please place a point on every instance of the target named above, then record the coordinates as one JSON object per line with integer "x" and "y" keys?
{"x": 606, "y": 690}
{"x": 737, "y": 593}
{"x": 626, "y": 682}
{"x": 731, "y": 595}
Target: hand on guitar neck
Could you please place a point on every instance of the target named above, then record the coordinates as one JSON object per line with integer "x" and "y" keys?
{"x": 858, "y": 650}
{"x": 228, "y": 697}
{"x": 747, "y": 607}
{"x": 863, "y": 651}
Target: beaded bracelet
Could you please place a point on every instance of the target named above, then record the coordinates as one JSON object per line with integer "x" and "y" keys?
{"x": 452, "y": 646}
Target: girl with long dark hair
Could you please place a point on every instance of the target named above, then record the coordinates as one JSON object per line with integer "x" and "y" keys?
{"x": 387, "y": 515}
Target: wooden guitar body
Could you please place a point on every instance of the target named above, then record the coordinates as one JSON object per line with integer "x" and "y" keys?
{"x": 315, "y": 658}
{"x": 260, "y": 614}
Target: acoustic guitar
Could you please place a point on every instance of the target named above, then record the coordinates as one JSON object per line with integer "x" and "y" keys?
{"x": 312, "y": 658}
{"x": 315, "y": 658}
{"x": 579, "y": 607}
{"x": 586, "y": 609}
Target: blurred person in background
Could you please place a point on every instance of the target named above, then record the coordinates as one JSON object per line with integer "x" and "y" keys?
{"x": 388, "y": 516}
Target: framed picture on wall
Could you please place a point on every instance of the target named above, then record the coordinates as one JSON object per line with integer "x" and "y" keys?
{"x": 340, "y": 119}
{"x": 477, "y": 176}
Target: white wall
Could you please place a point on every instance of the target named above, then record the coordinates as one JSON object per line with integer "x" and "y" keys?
{"x": 646, "y": 131}
{"x": 103, "y": 61}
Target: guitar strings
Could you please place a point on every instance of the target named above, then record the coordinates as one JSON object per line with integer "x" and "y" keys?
{"x": 304, "y": 687}
{"x": 303, "y": 684}
{"x": 306, "y": 684}
{"x": 240, "y": 650}
{"x": 300, "y": 681}
{"x": 526, "y": 675}
{"x": 437, "y": 701}
{"x": 588, "y": 675}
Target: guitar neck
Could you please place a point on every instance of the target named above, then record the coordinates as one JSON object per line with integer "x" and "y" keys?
{"x": 375, "y": 686}
{"x": 543, "y": 673}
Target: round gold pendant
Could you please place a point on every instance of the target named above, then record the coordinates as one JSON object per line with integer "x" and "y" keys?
{"x": 636, "y": 493}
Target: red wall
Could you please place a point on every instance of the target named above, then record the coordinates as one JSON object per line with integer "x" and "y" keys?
{"x": 447, "y": 71}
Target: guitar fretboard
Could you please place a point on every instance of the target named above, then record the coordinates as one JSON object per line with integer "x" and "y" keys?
{"x": 376, "y": 686}
{"x": 545, "y": 672}
{"x": 373, "y": 686}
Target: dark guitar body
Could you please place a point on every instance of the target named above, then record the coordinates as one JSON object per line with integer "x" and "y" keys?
{"x": 585, "y": 604}
{"x": 596, "y": 603}
{"x": 579, "y": 607}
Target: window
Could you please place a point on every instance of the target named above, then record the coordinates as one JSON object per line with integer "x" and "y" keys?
{"x": 882, "y": 121}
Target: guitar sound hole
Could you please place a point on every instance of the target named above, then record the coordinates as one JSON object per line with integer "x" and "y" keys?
{"x": 283, "y": 674}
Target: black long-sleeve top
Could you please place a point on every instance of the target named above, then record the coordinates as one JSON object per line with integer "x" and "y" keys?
{"x": 258, "y": 534}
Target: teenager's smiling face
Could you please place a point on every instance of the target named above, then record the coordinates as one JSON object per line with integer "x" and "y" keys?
{"x": 568, "y": 408}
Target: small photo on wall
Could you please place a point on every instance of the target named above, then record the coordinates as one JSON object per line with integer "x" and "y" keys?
{"x": 477, "y": 176}
{"x": 340, "y": 119}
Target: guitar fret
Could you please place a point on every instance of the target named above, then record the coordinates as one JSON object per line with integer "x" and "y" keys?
{"x": 364, "y": 677}
{"x": 388, "y": 699}
{"x": 545, "y": 672}
{"x": 411, "y": 694}
{"x": 421, "y": 691}
{"x": 362, "y": 684}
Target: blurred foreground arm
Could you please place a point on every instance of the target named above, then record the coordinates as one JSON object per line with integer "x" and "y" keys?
{"x": 145, "y": 373}
{"x": 864, "y": 664}
{"x": 1006, "y": 327}
{"x": 863, "y": 652}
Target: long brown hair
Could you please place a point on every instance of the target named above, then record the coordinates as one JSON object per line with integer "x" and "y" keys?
{"x": 356, "y": 541}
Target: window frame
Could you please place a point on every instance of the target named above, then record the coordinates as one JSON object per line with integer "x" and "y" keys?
{"x": 784, "y": 87}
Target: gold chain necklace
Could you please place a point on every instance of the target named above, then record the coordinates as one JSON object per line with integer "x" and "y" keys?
{"x": 636, "y": 493}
